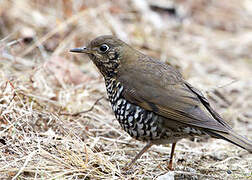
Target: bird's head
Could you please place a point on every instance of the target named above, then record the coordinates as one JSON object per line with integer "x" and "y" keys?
{"x": 106, "y": 52}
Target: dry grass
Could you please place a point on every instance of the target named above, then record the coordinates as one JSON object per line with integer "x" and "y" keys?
{"x": 41, "y": 86}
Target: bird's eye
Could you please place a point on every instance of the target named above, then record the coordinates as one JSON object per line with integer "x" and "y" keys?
{"x": 103, "y": 48}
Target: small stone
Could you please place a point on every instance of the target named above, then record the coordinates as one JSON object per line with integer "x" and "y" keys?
{"x": 229, "y": 171}
{"x": 167, "y": 176}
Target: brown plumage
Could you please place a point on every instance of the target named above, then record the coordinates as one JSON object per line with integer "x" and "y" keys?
{"x": 151, "y": 100}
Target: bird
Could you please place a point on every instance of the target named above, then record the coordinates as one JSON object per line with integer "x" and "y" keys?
{"x": 152, "y": 101}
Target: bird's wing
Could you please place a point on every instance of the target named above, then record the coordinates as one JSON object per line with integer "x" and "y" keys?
{"x": 160, "y": 88}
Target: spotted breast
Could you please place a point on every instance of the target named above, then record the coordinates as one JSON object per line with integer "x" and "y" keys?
{"x": 137, "y": 122}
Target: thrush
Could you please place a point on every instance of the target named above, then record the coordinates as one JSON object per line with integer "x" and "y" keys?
{"x": 151, "y": 100}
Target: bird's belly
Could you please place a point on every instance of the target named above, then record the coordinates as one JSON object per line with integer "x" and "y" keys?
{"x": 145, "y": 125}
{"x": 138, "y": 122}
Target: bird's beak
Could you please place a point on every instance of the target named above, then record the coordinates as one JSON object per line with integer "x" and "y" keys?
{"x": 81, "y": 50}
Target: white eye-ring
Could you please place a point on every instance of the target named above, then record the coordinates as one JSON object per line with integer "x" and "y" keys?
{"x": 104, "y": 48}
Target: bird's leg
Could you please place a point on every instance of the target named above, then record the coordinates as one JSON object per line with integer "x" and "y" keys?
{"x": 171, "y": 156}
{"x": 148, "y": 145}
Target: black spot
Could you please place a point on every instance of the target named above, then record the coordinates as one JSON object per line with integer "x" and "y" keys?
{"x": 144, "y": 134}
{"x": 132, "y": 110}
{"x": 229, "y": 171}
{"x": 27, "y": 40}
{"x": 116, "y": 55}
{"x": 3, "y": 141}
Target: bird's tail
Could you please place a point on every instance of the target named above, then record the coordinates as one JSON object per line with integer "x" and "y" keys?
{"x": 234, "y": 138}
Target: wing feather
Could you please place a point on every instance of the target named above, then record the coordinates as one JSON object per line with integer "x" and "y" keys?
{"x": 160, "y": 88}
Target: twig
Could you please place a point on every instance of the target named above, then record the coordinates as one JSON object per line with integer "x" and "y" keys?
{"x": 29, "y": 157}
